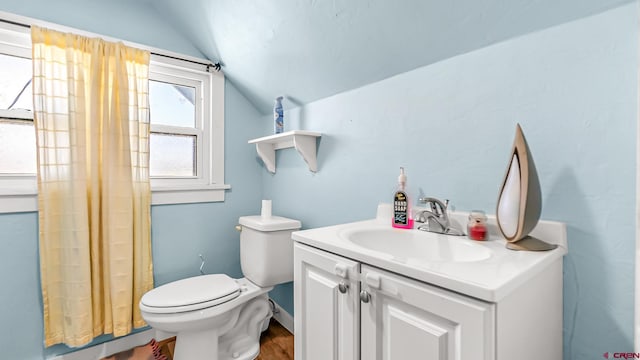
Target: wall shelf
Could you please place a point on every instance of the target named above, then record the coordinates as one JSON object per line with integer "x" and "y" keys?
{"x": 303, "y": 141}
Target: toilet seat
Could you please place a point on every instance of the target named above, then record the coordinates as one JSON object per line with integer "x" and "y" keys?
{"x": 190, "y": 294}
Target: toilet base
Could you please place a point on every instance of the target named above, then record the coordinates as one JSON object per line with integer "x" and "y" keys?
{"x": 229, "y": 331}
{"x": 237, "y": 339}
{"x": 196, "y": 345}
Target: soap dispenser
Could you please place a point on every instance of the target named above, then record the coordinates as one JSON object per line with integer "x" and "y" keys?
{"x": 402, "y": 217}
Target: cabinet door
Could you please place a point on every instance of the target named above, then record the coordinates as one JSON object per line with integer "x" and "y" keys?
{"x": 406, "y": 319}
{"x": 327, "y": 306}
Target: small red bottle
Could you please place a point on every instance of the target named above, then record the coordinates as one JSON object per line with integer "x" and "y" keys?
{"x": 477, "y": 225}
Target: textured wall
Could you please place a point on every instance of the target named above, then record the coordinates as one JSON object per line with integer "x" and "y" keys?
{"x": 573, "y": 88}
{"x": 314, "y": 49}
{"x": 179, "y": 232}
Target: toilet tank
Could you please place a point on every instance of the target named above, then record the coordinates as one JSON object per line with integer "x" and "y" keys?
{"x": 266, "y": 249}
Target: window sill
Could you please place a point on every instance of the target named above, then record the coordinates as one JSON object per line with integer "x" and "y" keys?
{"x": 188, "y": 195}
{"x": 18, "y": 202}
{"x": 27, "y": 200}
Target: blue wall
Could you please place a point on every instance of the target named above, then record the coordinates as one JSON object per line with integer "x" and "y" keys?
{"x": 573, "y": 88}
{"x": 179, "y": 232}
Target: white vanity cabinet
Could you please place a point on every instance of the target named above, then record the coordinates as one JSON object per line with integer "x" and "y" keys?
{"x": 401, "y": 318}
{"x": 327, "y": 306}
{"x": 349, "y": 310}
{"x": 382, "y": 315}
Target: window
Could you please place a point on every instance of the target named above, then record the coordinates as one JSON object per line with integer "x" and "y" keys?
{"x": 187, "y": 119}
{"x": 18, "y": 152}
{"x": 175, "y": 133}
{"x": 187, "y": 128}
{"x": 17, "y": 135}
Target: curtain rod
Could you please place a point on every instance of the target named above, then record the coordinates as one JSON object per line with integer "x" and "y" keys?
{"x": 215, "y": 66}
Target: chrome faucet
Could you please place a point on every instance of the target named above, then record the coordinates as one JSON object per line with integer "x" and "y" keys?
{"x": 435, "y": 218}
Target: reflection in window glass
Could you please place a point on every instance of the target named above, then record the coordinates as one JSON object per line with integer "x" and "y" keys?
{"x": 171, "y": 104}
{"x": 15, "y": 75}
{"x": 172, "y": 155}
{"x": 18, "y": 150}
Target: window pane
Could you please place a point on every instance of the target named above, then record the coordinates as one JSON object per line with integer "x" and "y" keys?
{"x": 17, "y": 147}
{"x": 15, "y": 74}
{"x": 172, "y": 104}
{"x": 172, "y": 155}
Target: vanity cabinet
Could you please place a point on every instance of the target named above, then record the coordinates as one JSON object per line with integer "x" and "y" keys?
{"x": 349, "y": 310}
{"x": 327, "y": 306}
{"x": 401, "y": 317}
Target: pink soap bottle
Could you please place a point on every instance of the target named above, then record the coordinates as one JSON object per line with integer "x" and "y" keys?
{"x": 402, "y": 217}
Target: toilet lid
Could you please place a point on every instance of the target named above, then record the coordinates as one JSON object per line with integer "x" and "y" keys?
{"x": 191, "y": 294}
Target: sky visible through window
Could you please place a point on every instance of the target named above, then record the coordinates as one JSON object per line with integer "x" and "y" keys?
{"x": 15, "y": 73}
{"x": 17, "y": 137}
{"x": 171, "y": 104}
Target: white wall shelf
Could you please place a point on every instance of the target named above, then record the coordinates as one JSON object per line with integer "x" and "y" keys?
{"x": 303, "y": 141}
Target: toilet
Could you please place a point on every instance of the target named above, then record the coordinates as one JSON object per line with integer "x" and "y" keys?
{"x": 218, "y": 317}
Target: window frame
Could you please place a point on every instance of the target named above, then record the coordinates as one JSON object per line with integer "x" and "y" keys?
{"x": 18, "y": 192}
{"x": 208, "y": 183}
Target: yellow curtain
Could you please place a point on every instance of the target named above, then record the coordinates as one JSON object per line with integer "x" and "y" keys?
{"x": 91, "y": 115}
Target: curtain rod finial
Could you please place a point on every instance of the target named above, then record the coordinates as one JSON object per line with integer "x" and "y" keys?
{"x": 217, "y": 67}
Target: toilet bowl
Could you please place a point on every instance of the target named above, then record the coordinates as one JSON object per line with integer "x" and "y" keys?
{"x": 218, "y": 317}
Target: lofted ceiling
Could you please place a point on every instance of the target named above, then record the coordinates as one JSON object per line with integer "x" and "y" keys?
{"x": 311, "y": 49}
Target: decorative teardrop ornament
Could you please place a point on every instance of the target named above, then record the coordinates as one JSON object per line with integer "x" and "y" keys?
{"x": 520, "y": 200}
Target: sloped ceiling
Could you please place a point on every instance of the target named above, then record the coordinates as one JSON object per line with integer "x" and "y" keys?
{"x": 311, "y": 49}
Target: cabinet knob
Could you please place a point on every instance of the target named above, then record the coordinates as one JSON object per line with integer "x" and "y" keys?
{"x": 364, "y": 296}
{"x": 342, "y": 287}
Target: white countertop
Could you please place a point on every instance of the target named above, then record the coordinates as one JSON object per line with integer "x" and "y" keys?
{"x": 489, "y": 279}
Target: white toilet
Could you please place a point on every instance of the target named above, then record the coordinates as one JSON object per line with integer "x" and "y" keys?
{"x": 217, "y": 317}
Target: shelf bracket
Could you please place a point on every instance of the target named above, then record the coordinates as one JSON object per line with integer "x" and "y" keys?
{"x": 303, "y": 141}
{"x": 267, "y": 153}
{"x": 306, "y": 146}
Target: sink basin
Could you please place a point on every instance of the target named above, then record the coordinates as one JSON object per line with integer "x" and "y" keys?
{"x": 417, "y": 246}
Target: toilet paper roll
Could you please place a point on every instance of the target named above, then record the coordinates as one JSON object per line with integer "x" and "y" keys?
{"x": 266, "y": 208}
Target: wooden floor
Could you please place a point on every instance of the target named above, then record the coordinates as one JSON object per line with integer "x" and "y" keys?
{"x": 275, "y": 344}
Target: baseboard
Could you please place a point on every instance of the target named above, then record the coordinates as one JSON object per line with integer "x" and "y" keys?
{"x": 283, "y": 317}
{"x": 127, "y": 342}
{"x": 114, "y": 346}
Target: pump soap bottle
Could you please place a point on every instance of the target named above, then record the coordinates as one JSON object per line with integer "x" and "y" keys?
{"x": 402, "y": 217}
